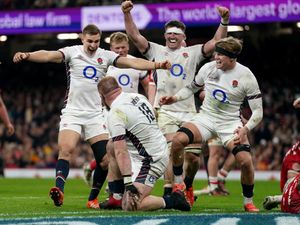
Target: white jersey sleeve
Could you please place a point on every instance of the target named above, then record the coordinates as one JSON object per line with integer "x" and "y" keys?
{"x": 203, "y": 74}
{"x": 184, "y": 63}
{"x": 255, "y": 101}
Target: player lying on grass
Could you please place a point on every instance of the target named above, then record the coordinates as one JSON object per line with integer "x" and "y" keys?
{"x": 289, "y": 181}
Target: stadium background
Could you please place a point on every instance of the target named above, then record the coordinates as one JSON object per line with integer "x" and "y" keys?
{"x": 34, "y": 93}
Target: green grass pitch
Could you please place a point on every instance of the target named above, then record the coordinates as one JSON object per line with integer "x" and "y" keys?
{"x": 27, "y": 198}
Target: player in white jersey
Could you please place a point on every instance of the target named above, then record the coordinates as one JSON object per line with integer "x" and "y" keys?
{"x": 82, "y": 114}
{"x": 227, "y": 83}
{"x": 139, "y": 150}
{"x": 211, "y": 157}
{"x": 185, "y": 61}
{"x": 129, "y": 80}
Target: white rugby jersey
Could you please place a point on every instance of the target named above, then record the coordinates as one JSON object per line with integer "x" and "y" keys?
{"x": 184, "y": 63}
{"x": 128, "y": 79}
{"x": 131, "y": 117}
{"x": 225, "y": 91}
{"x": 84, "y": 73}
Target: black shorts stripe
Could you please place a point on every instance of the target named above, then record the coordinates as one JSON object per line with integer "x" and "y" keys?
{"x": 144, "y": 171}
{"x": 138, "y": 145}
{"x": 253, "y": 97}
{"x": 118, "y": 138}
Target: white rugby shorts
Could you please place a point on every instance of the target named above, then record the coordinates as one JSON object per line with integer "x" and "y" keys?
{"x": 87, "y": 124}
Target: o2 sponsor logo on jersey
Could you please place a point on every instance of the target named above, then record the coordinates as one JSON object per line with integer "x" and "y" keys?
{"x": 178, "y": 71}
{"x": 220, "y": 96}
{"x": 90, "y": 72}
{"x": 124, "y": 79}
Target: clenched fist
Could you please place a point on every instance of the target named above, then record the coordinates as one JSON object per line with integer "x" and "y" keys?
{"x": 224, "y": 13}
{"x": 127, "y": 6}
{"x": 165, "y": 65}
{"x": 20, "y": 56}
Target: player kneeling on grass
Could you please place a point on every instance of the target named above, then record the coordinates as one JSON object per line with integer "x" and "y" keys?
{"x": 140, "y": 151}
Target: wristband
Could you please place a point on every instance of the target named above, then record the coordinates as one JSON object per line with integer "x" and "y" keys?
{"x": 224, "y": 23}
{"x": 127, "y": 179}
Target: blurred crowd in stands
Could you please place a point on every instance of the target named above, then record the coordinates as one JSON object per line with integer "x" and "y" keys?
{"x": 35, "y": 114}
{"x": 44, "y": 4}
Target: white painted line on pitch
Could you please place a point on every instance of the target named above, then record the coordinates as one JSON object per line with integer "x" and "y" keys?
{"x": 286, "y": 220}
{"x": 152, "y": 222}
{"x": 92, "y": 212}
{"x": 55, "y": 222}
{"x": 226, "y": 221}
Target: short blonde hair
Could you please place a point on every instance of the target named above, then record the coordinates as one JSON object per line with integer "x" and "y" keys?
{"x": 230, "y": 44}
{"x": 118, "y": 37}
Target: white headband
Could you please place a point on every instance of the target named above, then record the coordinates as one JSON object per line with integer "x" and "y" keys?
{"x": 174, "y": 30}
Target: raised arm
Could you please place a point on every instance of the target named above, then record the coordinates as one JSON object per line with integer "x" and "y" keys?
{"x": 220, "y": 33}
{"x": 131, "y": 29}
{"x": 41, "y": 56}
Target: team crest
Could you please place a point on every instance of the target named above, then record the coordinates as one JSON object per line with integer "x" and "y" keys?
{"x": 100, "y": 60}
{"x": 235, "y": 83}
{"x": 185, "y": 54}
